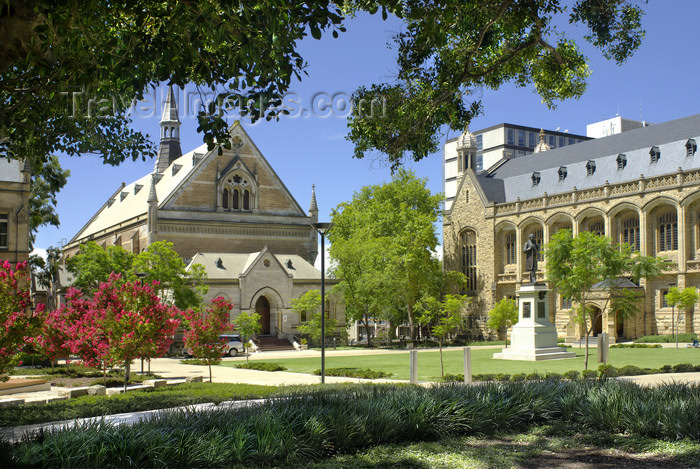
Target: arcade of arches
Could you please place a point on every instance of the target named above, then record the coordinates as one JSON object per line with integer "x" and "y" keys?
{"x": 494, "y": 262}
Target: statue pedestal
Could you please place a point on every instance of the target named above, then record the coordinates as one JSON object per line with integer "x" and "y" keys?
{"x": 534, "y": 337}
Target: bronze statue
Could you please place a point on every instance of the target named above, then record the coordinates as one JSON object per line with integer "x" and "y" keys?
{"x": 532, "y": 250}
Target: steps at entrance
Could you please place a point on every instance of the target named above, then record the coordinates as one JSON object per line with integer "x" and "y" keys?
{"x": 270, "y": 344}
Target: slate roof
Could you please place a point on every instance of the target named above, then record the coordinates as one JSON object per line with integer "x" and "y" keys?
{"x": 10, "y": 171}
{"x": 233, "y": 265}
{"x": 513, "y": 179}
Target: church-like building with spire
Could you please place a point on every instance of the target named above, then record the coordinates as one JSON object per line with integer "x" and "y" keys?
{"x": 229, "y": 212}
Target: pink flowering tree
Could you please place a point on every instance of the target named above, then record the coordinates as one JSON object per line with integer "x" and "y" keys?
{"x": 52, "y": 339}
{"x": 203, "y": 331}
{"x": 17, "y": 321}
{"x": 123, "y": 321}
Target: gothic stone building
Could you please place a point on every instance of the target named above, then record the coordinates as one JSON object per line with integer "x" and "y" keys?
{"x": 14, "y": 216}
{"x": 230, "y": 212}
{"x": 639, "y": 187}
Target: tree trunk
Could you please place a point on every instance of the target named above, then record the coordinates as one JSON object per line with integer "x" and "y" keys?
{"x": 209, "y": 364}
{"x": 411, "y": 325}
{"x": 127, "y": 369}
{"x": 366, "y": 321}
{"x": 442, "y": 366}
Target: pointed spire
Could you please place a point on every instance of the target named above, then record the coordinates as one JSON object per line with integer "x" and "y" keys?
{"x": 170, "y": 113}
{"x": 152, "y": 195}
{"x": 169, "y": 149}
{"x": 313, "y": 207}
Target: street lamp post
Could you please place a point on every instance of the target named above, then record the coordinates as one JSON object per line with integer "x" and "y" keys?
{"x": 323, "y": 229}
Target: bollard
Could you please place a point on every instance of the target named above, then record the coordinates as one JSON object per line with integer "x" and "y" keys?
{"x": 603, "y": 347}
{"x": 414, "y": 366}
{"x": 467, "y": 365}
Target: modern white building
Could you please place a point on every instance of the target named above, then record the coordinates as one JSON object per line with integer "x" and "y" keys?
{"x": 613, "y": 126}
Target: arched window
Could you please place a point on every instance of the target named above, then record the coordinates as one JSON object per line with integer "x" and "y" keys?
{"x": 468, "y": 258}
{"x": 236, "y": 203}
{"x": 224, "y": 199}
{"x": 668, "y": 231}
{"x": 630, "y": 232}
{"x": 510, "y": 248}
{"x": 596, "y": 227}
{"x": 246, "y": 200}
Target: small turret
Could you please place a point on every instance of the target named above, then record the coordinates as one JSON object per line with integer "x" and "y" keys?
{"x": 466, "y": 150}
{"x": 542, "y": 145}
{"x": 152, "y": 210}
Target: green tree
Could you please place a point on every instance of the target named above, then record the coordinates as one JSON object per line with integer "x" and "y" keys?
{"x": 381, "y": 247}
{"x": 182, "y": 287}
{"x": 308, "y": 305}
{"x": 46, "y": 272}
{"x": 69, "y": 72}
{"x": 449, "y": 318}
{"x": 68, "y": 76}
{"x": 450, "y": 49}
{"x": 684, "y": 299}
{"x": 503, "y": 315}
{"x": 45, "y": 184}
{"x": 576, "y": 264}
{"x": 93, "y": 264}
{"x": 248, "y": 325}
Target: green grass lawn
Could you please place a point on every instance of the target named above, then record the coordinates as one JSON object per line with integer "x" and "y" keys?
{"x": 483, "y": 362}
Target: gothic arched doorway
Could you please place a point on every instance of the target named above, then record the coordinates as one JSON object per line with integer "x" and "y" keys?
{"x": 262, "y": 307}
{"x": 619, "y": 325}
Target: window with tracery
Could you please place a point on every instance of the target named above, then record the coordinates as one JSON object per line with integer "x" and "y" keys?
{"x": 468, "y": 258}
{"x": 597, "y": 228}
{"x": 630, "y": 232}
{"x": 510, "y": 248}
{"x": 237, "y": 193}
{"x": 668, "y": 231}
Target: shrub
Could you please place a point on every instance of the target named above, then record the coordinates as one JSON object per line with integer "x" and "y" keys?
{"x": 261, "y": 366}
{"x": 667, "y": 369}
{"x": 201, "y": 361}
{"x": 450, "y": 377}
{"x": 534, "y": 376}
{"x": 607, "y": 371}
{"x": 354, "y": 373}
{"x": 684, "y": 337}
{"x": 572, "y": 375}
{"x": 518, "y": 377}
{"x": 589, "y": 374}
{"x": 631, "y": 370}
{"x": 635, "y": 346}
{"x": 683, "y": 368}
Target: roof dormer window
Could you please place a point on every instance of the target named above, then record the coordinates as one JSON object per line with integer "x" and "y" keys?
{"x": 535, "y": 178}
{"x": 621, "y": 161}
{"x": 590, "y": 168}
{"x": 690, "y": 147}
{"x": 562, "y": 173}
{"x": 654, "y": 154}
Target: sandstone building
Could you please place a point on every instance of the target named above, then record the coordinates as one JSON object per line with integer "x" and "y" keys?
{"x": 639, "y": 187}
{"x": 14, "y": 211}
{"x": 230, "y": 212}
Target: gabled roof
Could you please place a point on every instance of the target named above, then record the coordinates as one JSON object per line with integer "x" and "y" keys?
{"x": 513, "y": 179}
{"x": 130, "y": 201}
{"x": 220, "y": 265}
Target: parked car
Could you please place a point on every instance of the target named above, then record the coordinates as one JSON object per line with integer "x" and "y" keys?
{"x": 234, "y": 346}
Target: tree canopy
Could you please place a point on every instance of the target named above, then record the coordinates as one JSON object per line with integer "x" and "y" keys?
{"x": 577, "y": 264}
{"x": 69, "y": 72}
{"x": 159, "y": 262}
{"x": 382, "y": 245}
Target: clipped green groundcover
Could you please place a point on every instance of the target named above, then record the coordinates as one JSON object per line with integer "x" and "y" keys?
{"x": 354, "y": 373}
{"x": 261, "y": 366}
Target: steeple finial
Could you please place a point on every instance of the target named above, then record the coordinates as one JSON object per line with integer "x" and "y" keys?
{"x": 542, "y": 145}
{"x": 313, "y": 207}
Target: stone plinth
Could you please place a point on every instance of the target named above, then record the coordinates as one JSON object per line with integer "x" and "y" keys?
{"x": 534, "y": 337}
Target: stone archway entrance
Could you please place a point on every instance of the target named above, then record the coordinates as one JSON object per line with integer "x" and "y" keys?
{"x": 262, "y": 307}
{"x": 598, "y": 325}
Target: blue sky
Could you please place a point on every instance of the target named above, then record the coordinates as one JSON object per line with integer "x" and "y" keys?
{"x": 659, "y": 83}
